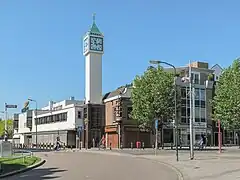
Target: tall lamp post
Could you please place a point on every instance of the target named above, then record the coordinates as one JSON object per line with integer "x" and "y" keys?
{"x": 32, "y": 100}
{"x": 175, "y": 99}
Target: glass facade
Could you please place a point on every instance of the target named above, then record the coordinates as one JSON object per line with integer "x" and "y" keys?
{"x": 200, "y": 108}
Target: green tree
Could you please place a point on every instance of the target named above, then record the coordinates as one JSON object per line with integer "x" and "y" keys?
{"x": 9, "y": 128}
{"x": 153, "y": 96}
{"x": 226, "y": 101}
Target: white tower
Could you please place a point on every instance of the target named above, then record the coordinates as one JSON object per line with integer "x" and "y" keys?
{"x": 93, "y": 51}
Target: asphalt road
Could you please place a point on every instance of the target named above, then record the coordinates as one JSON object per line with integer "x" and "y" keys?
{"x": 90, "y": 166}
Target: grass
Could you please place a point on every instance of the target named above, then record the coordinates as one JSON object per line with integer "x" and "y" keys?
{"x": 9, "y": 164}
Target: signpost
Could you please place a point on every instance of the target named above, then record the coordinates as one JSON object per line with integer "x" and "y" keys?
{"x": 7, "y": 106}
{"x": 219, "y": 137}
{"x": 79, "y": 131}
{"x": 156, "y": 140}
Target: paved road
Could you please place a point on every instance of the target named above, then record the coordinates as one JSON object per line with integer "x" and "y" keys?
{"x": 90, "y": 166}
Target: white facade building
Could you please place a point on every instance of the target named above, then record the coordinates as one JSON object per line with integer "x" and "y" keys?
{"x": 59, "y": 119}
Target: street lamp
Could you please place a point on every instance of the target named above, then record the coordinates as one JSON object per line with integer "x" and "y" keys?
{"x": 175, "y": 99}
{"x": 32, "y": 100}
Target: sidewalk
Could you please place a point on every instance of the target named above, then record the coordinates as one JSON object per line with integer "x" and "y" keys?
{"x": 205, "y": 166}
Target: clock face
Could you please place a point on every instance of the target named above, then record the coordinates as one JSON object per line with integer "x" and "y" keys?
{"x": 85, "y": 45}
{"x": 96, "y": 43}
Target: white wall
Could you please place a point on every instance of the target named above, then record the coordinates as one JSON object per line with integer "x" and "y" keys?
{"x": 70, "y": 124}
{"x": 22, "y": 124}
{"x": 93, "y": 78}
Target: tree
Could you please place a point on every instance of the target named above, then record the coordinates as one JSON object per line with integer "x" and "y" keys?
{"x": 9, "y": 128}
{"x": 226, "y": 101}
{"x": 153, "y": 97}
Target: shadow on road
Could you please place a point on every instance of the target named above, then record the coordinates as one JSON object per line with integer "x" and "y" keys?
{"x": 38, "y": 174}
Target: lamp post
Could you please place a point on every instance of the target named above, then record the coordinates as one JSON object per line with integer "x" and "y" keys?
{"x": 192, "y": 108}
{"x": 32, "y": 100}
{"x": 3, "y": 112}
{"x": 175, "y": 99}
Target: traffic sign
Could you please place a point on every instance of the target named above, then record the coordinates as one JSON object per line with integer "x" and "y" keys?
{"x": 156, "y": 124}
{"x": 11, "y": 106}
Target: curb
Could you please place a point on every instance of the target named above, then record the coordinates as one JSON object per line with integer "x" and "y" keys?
{"x": 180, "y": 175}
{"x": 23, "y": 170}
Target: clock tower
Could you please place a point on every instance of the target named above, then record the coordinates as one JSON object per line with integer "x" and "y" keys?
{"x": 93, "y": 50}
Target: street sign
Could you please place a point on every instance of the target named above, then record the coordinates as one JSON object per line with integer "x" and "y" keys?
{"x": 156, "y": 124}
{"x": 11, "y": 106}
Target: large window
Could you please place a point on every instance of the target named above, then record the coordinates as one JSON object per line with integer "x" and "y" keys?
{"x": 202, "y": 94}
{"x": 196, "y": 78}
{"x": 52, "y": 118}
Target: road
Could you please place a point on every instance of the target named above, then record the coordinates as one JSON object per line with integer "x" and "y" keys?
{"x": 90, "y": 166}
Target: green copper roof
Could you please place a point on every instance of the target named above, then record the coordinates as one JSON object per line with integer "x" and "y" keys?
{"x": 94, "y": 29}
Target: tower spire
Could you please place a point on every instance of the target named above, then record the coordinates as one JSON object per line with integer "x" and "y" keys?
{"x": 94, "y": 17}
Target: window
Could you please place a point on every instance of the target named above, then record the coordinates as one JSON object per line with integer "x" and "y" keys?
{"x": 113, "y": 114}
{"x": 197, "y": 103}
{"x": 197, "y": 112}
{"x": 183, "y": 111}
{"x": 183, "y": 103}
{"x": 183, "y": 120}
{"x": 197, "y": 119}
{"x": 60, "y": 117}
{"x": 64, "y": 116}
{"x": 202, "y": 94}
{"x": 195, "y": 78}
{"x": 79, "y": 114}
{"x": 188, "y": 112}
{"x": 183, "y": 93}
{"x": 203, "y": 120}
{"x": 57, "y": 118}
{"x": 129, "y": 111}
{"x": 203, "y": 104}
{"x": 197, "y": 94}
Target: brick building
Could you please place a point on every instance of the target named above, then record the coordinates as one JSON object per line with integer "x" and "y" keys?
{"x": 120, "y": 129}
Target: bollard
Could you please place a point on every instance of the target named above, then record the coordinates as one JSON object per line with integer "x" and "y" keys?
{"x": 153, "y": 146}
{"x": 71, "y": 147}
{"x": 110, "y": 146}
{"x": 80, "y": 146}
{"x": 93, "y": 142}
{"x": 131, "y": 145}
{"x": 121, "y": 146}
{"x": 171, "y": 146}
{"x": 143, "y": 146}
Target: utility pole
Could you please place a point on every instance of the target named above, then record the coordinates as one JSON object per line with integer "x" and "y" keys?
{"x": 36, "y": 123}
{"x": 5, "y": 123}
{"x": 156, "y": 137}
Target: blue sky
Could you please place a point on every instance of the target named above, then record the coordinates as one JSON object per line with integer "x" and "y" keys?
{"x": 41, "y": 41}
